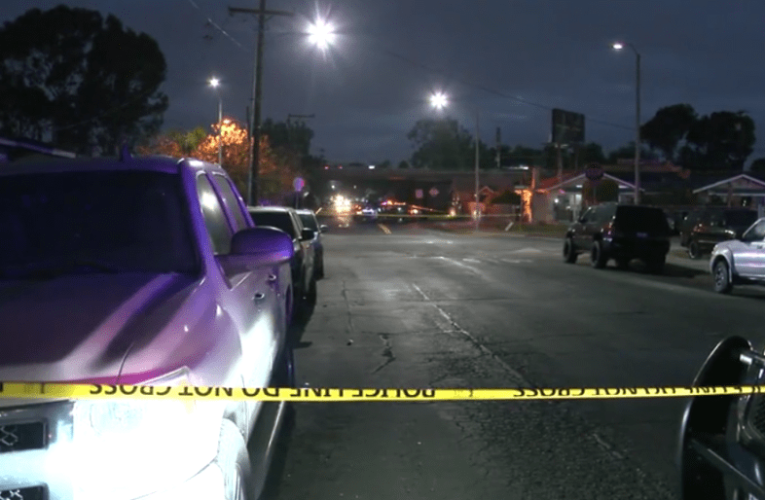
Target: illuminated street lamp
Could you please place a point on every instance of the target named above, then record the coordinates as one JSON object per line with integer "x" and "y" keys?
{"x": 215, "y": 83}
{"x": 620, "y": 46}
{"x": 439, "y": 101}
{"x": 321, "y": 34}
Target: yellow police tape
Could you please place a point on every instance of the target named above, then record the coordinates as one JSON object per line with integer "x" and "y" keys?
{"x": 319, "y": 395}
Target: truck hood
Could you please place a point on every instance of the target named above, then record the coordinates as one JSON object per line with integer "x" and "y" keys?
{"x": 80, "y": 327}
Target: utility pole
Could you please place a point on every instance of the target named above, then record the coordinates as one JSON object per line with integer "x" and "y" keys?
{"x": 253, "y": 191}
{"x": 477, "y": 162}
{"x": 499, "y": 143}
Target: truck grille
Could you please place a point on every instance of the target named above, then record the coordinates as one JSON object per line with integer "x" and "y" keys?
{"x": 36, "y": 493}
{"x": 20, "y": 437}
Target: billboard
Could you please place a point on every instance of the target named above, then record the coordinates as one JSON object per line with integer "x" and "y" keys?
{"x": 567, "y": 127}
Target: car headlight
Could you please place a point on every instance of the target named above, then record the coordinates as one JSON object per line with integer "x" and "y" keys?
{"x": 124, "y": 449}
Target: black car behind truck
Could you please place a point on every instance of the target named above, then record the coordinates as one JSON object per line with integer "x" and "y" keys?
{"x": 622, "y": 233}
{"x": 704, "y": 228}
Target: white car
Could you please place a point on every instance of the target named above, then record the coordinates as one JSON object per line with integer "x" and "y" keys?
{"x": 740, "y": 262}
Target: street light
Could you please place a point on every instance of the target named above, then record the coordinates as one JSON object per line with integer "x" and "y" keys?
{"x": 321, "y": 34}
{"x": 620, "y": 46}
{"x": 215, "y": 83}
{"x": 439, "y": 101}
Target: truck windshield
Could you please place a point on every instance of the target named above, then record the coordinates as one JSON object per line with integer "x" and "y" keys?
{"x": 75, "y": 222}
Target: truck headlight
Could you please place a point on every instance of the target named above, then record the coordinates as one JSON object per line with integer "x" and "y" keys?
{"x": 124, "y": 449}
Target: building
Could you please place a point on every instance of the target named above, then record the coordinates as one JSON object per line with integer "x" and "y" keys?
{"x": 741, "y": 190}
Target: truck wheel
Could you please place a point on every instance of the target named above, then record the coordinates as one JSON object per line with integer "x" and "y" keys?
{"x": 569, "y": 251}
{"x": 598, "y": 257}
{"x": 693, "y": 250}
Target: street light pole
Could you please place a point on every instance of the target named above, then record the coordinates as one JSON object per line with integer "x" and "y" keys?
{"x": 477, "y": 162}
{"x": 220, "y": 130}
{"x": 637, "y": 127}
{"x": 620, "y": 46}
{"x": 215, "y": 83}
{"x": 257, "y": 96}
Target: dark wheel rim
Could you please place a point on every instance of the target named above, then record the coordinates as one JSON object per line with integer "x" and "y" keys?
{"x": 693, "y": 250}
{"x": 721, "y": 276}
{"x": 595, "y": 255}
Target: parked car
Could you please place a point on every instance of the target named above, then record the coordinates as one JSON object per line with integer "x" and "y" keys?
{"x": 309, "y": 220}
{"x": 138, "y": 271}
{"x": 302, "y": 264}
{"x": 741, "y": 261}
{"x": 704, "y": 228}
{"x": 721, "y": 452}
{"x": 620, "y": 232}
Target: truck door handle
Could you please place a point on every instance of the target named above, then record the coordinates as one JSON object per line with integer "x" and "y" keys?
{"x": 259, "y": 296}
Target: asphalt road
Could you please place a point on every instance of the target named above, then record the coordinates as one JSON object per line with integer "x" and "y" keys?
{"x": 405, "y": 306}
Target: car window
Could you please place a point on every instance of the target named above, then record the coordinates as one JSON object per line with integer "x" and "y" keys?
{"x": 279, "y": 220}
{"x": 756, "y": 232}
{"x": 297, "y": 221}
{"x": 309, "y": 221}
{"x": 588, "y": 215}
{"x": 215, "y": 219}
{"x": 632, "y": 218}
{"x": 231, "y": 202}
{"x": 127, "y": 221}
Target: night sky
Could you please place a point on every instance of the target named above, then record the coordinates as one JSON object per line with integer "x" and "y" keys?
{"x": 369, "y": 89}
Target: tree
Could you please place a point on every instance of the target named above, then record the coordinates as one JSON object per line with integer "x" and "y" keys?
{"x": 720, "y": 141}
{"x": 385, "y": 164}
{"x": 627, "y": 152}
{"x": 601, "y": 191}
{"x": 277, "y": 172}
{"x": 668, "y": 128}
{"x": 441, "y": 144}
{"x": 87, "y": 84}
{"x": 758, "y": 166}
{"x": 591, "y": 152}
{"x": 404, "y": 164}
{"x": 293, "y": 136}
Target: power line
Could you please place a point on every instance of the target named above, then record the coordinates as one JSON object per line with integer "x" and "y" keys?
{"x": 490, "y": 90}
{"x": 215, "y": 25}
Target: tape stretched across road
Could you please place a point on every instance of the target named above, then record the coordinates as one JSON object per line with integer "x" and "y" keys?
{"x": 325, "y": 395}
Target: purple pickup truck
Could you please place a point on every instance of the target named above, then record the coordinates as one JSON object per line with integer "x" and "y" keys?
{"x": 138, "y": 271}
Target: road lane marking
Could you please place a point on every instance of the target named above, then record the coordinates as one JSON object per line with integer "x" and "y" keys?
{"x": 384, "y": 228}
{"x": 519, "y": 379}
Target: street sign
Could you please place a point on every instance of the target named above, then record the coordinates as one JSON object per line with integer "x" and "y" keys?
{"x": 594, "y": 172}
{"x": 567, "y": 127}
{"x": 418, "y": 194}
{"x": 433, "y": 192}
{"x": 298, "y": 184}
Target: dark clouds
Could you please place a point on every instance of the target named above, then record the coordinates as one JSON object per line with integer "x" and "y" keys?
{"x": 551, "y": 52}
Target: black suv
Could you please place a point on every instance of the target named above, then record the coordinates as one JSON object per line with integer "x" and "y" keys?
{"x": 619, "y": 232}
{"x": 704, "y": 228}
